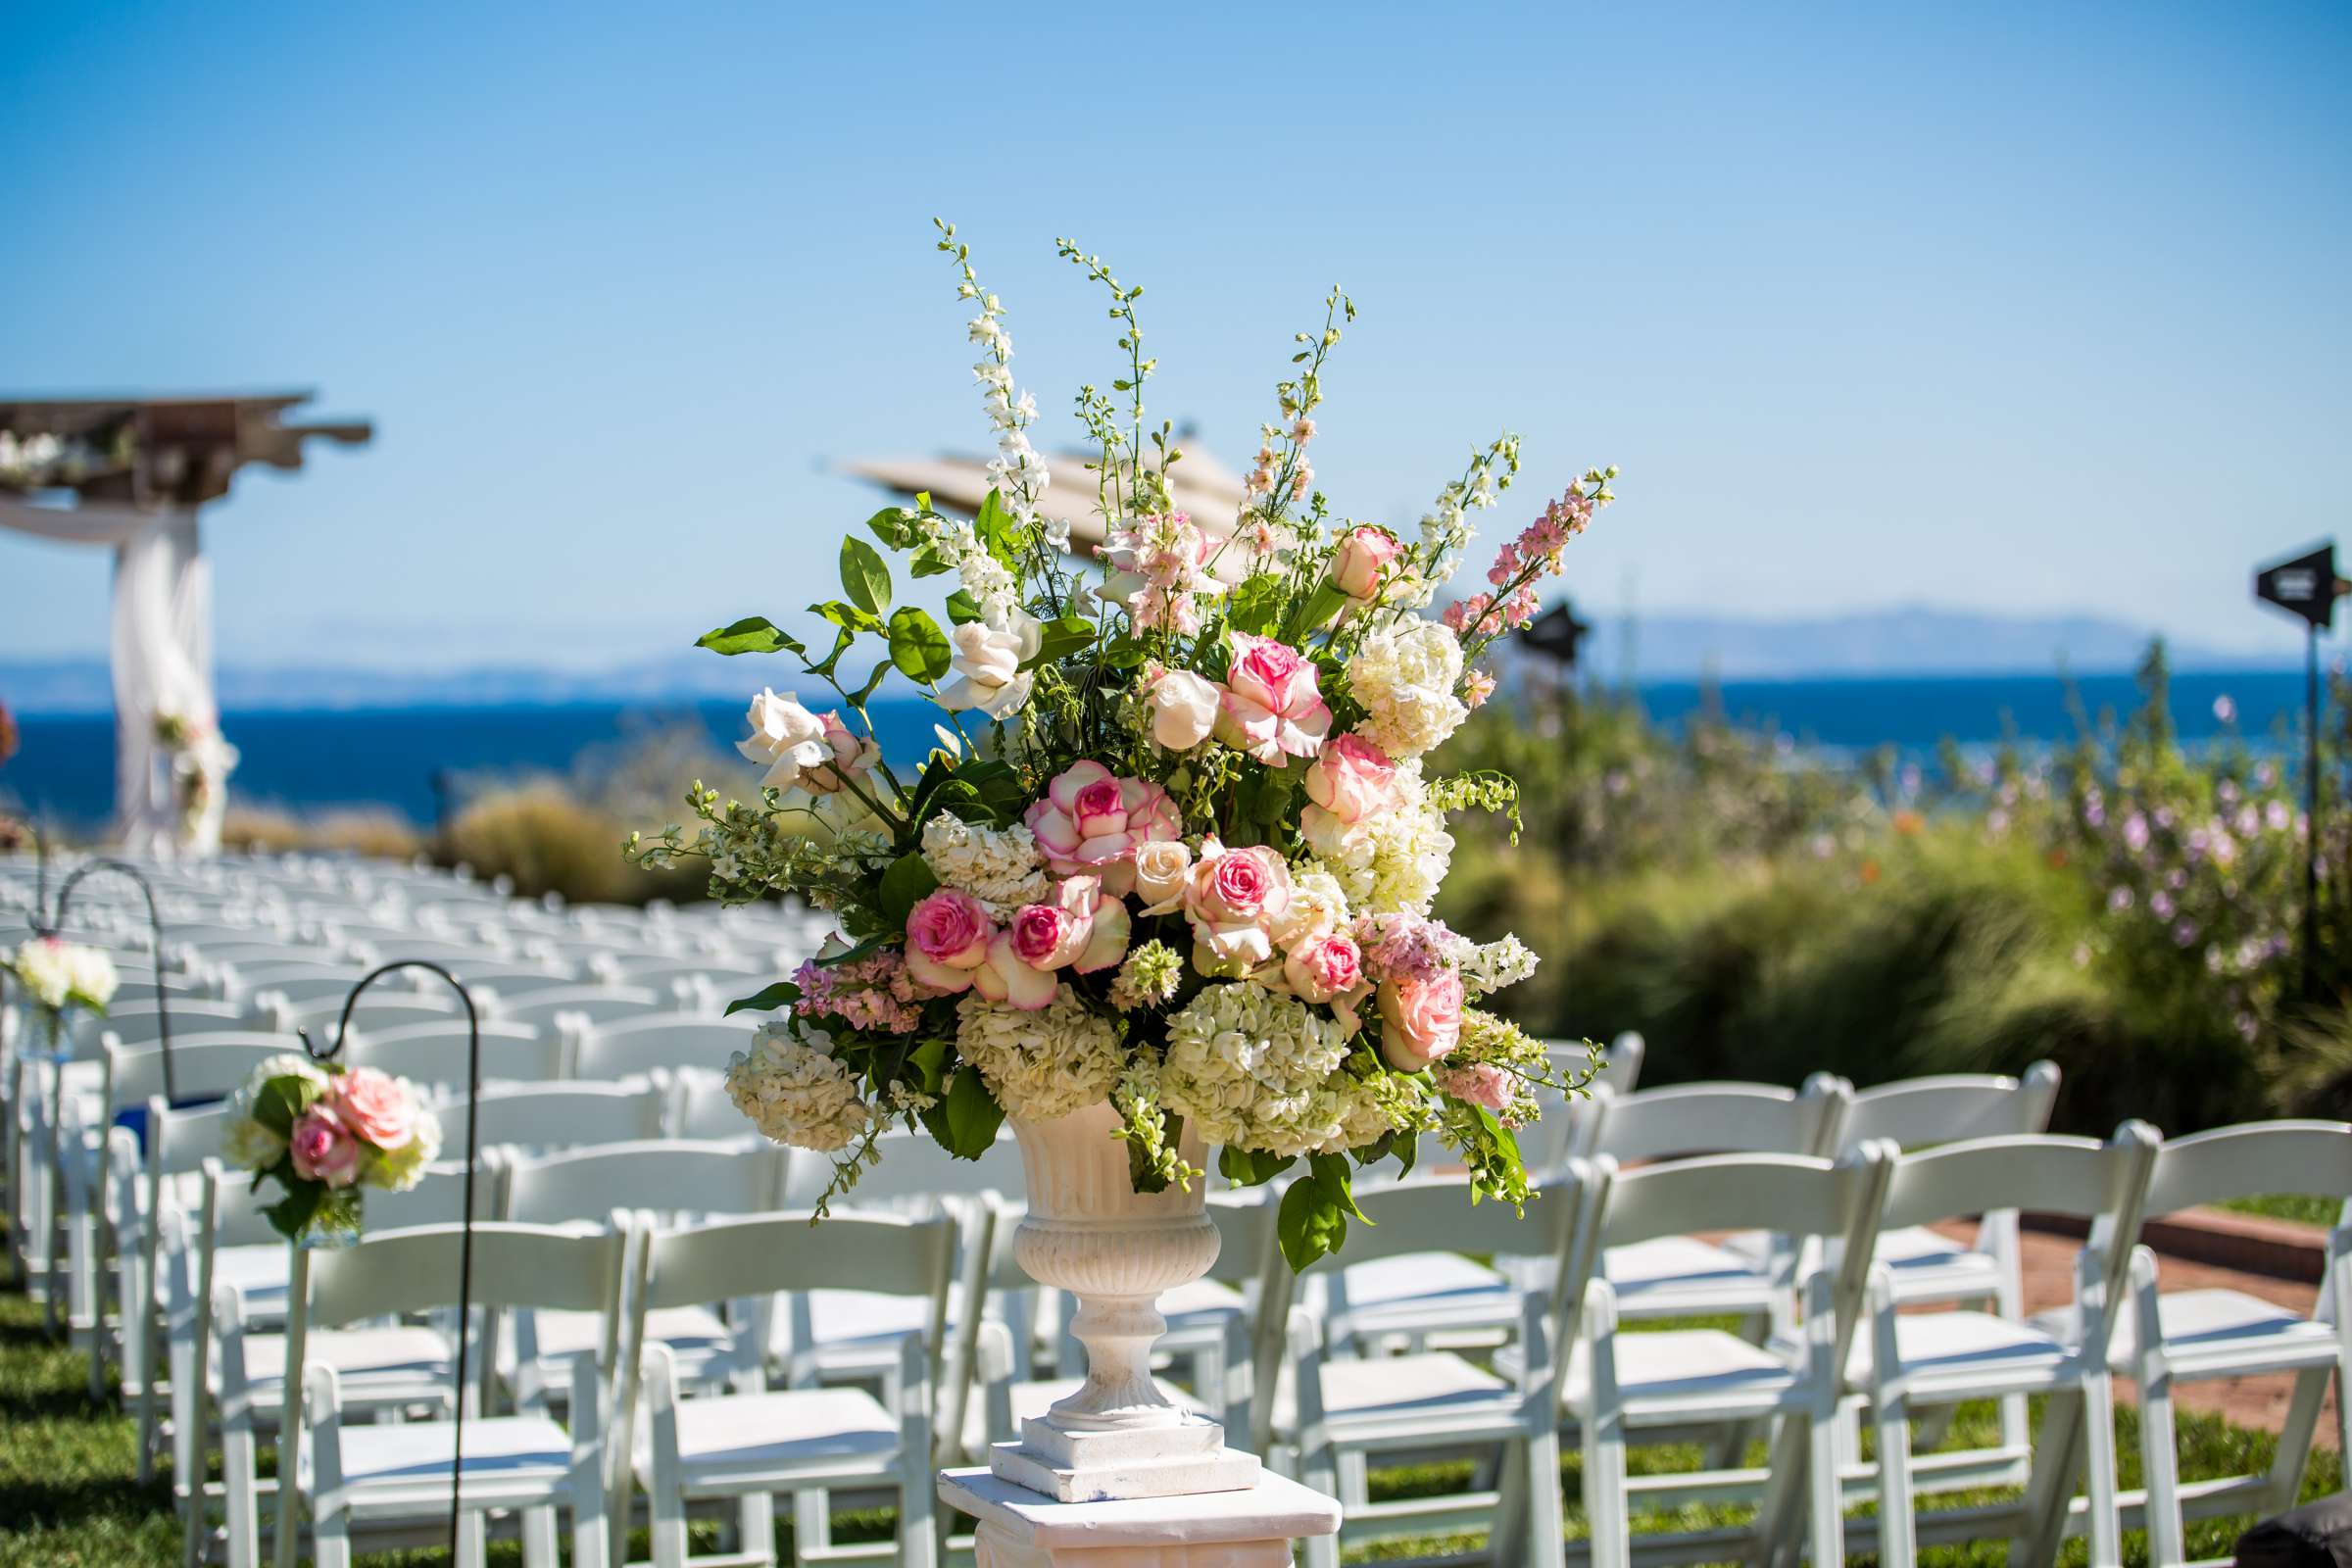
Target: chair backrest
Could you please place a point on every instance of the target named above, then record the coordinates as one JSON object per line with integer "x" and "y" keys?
{"x": 912, "y": 1166}
{"x": 377, "y": 1012}
{"x": 1433, "y": 1215}
{"x": 667, "y": 1176}
{"x": 439, "y": 1052}
{"x": 1951, "y": 1107}
{"x": 599, "y": 1005}
{"x": 398, "y": 1271}
{"x": 701, "y": 1108}
{"x": 1710, "y": 1118}
{"x": 298, "y": 983}
{"x": 1620, "y": 1062}
{"x": 203, "y": 1066}
{"x": 725, "y": 1259}
{"x": 140, "y": 1023}
{"x": 537, "y": 1117}
{"x": 2253, "y": 1159}
{"x": 668, "y": 1040}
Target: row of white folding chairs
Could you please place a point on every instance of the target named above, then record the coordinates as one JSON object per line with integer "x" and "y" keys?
{"x": 1571, "y": 1368}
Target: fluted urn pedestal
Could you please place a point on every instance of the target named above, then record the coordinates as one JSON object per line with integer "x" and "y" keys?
{"x": 1115, "y": 1475}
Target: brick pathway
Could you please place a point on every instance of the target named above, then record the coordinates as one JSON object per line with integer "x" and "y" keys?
{"x": 2258, "y": 1402}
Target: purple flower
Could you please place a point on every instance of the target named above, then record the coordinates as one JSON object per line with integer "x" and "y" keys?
{"x": 2135, "y": 832}
{"x": 2185, "y": 932}
{"x": 2278, "y": 815}
{"x": 2160, "y": 904}
{"x": 2224, "y": 710}
{"x": 2119, "y": 898}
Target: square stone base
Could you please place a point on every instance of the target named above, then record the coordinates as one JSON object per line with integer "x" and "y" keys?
{"x": 1245, "y": 1528}
{"x": 1105, "y": 1466}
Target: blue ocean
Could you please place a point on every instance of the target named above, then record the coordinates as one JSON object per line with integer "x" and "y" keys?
{"x": 389, "y": 758}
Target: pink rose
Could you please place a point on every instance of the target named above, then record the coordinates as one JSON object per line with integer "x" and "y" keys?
{"x": 1234, "y": 899}
{"x": 850, "y": 757}
{"x": 1047, "y": 936}
{"x": 375, "y": 1106}
{"x": 947, "y": 938}
{"x": 324, "y": 1149}
{"x": 1273, "y": 705}
{"x": 1424, "y": 1019}
{"x": 1324, "y": 967}
{"x": 1482, "y": 1082}
{"x": 1092, "y": 821}
{"x": 1350, "y": 781}
{"x": 1365, "y": 555}
{"x": 1002, "y": 977}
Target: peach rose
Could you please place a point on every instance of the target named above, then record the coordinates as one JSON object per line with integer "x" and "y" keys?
{"x": 375, "y": 1106}
{"x": 1323, "y": 967}
{"x": 1350, "y": 781}
{"x": 1424, "y": 1019}
{"x": 1364, "y": 555}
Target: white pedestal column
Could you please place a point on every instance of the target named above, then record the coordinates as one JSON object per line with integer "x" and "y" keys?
{"x": 1249, "y": 1527}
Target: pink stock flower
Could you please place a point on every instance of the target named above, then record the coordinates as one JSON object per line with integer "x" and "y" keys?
{"x": 1092, "y": 821}
{"x": 375, "y": 1106}
{"x": 1350, "y": 781}
{"x": 1481, "y": 1083}
{"x": 1324, "y": 967}
{"x": 1002, "y": 977}
{"x": 1424, "y": 1019}
{"x": 1363, "y": 556}
{"x": 1234, "y": 899}
{"x": 1477, "y": 687}
{"x": 1405, "y": 947}
{"x": 850, "y": 758}
{"x": 1273, "y": 703}
{"x": 324, "y": 1148}
{"x": 948, "y": 936}
{"x": 876, "y": 991}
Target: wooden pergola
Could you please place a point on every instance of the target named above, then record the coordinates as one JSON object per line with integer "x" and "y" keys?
{"x": 130, "y": 474}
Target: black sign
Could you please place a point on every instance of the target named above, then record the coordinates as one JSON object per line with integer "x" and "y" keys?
{"x": 2305, "y": 586}
{"x": 1555, "y": 635}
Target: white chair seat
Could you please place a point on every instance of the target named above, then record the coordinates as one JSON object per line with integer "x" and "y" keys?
{"x": 258, "y": 1273}
{"x": 1414, "y": 1293}
{"x": 1670, "y": 1364}
{"x": 394, "y": 1465}
{"x": 360, "y": 1357}
{"x": 569, "y": 1333}
{"x": 1388, "y": 1388}
{"x": 1933, "y": 1342}
{"x": 1683, "y": 1274}
{"x": 797, "y": 1431}
{"x": 2216, "y": 1324}
{"x": 1196, "y": 1300}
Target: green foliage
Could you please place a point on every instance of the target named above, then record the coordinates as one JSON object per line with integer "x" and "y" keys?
{"x": 753, "y": 634}
{"x": 783, "y": 994}
{"x": 917, "y": 646}
{"x": 864, "y": 576}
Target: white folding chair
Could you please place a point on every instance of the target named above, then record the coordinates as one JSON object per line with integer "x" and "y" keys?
{"x": 2165, "y": 1339}
{"x": 1916, "y": 1361}
{"x": 538, "y": 1119}
{"x": 744, "y": 1448}
{"x": 1678, "y": 1379}
{"x": 439, "y": 1053}
{"x": 597, "y": 1004}
{"x": 631, "y": 1046}
{"x": 397, "y": 1475}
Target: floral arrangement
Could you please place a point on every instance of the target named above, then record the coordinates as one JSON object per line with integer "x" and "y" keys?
{"x": 60, "y": 974}
{"x": 326, "y": 1133}
{"x": 1177, "y": 845}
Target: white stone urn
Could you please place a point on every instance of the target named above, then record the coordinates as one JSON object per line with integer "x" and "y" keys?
{"x": 1088, "y": 1231}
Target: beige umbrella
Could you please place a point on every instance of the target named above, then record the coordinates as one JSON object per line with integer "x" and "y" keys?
{"x": 1200, "y": 485}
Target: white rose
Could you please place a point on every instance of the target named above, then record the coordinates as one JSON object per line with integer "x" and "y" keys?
{"x": 989, "y": 661}
{"x": 1183, "y": 706}
{"x": 786, "y": 736}
{"x": 1163, "y": 868}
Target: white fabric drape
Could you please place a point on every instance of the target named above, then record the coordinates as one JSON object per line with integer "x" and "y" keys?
{"x": 161, "y": 651}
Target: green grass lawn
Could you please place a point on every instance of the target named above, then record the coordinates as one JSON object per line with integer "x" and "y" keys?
{"x": 2319, "y": 1211}
{"x": 69, "y": 1497}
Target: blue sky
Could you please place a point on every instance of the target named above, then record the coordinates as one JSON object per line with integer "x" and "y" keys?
{"x": 2030, "y": 307}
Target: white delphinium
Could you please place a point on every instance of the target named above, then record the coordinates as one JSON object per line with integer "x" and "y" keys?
{"x": 1040, "y": 1064}
{"x": 1494, "y": 965}
{"x": 1259, "y": 1070}
{"x": 1445, "y": 528}
{"x": 999, "y": 866}
{"x": 797, "y": 1093}
{"x": 1016, "y": 473}
{"x": 1406, "y": 677}
{"x": 980, "y": 573}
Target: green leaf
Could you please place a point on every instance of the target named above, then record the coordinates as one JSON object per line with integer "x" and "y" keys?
{"x": 917, "y": 646}
{"x": 926, "y": 562}
{"x": 282, "y": 1102}
{"x": 1333, "y": 1176}
{"x": 907, "y": 882}
{"x": 971, "y": 1115}
{"x": 862, "y": 949}
{"x": 1309, "y": 1224}
{"x": 753, "y": 634}
{"x": 1125, "y": 654}
{"x": 873, "y": 683}
{"x": 963, "y": 607}
{"x": 1246, "y": 1167}
{"x": 840, "y": 645}
{"x": 863, "y": 576}
{"x": 780, "y": 994}
{"x": 1059, "y": 639}
{"x": 890, "y": 526}
{"x": 1255, "y": 607}
{"x": 1313, "y": 610}
{"x": 846, "y": 615}
{"x": 996, "y": 527}
{"x": 293, "y": 1214}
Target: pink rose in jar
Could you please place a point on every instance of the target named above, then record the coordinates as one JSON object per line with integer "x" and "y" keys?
{"x": 1363, "y": 556}
{"x": 1234, "y": 900}
{"x": 375, "y": 1106}
{"x": 324, "y": 1148}
{"x": 1273, "y": 705}
{"x": 1092, "y": 821}
{"x": 947, "y": 938}
{"x": 1350, "y": 781}
{"x": 850, "y": 757}
{"x": 1324, "y": 967}
{"x": 1424, "y": 1019}
{"x": 1005, "y": 978}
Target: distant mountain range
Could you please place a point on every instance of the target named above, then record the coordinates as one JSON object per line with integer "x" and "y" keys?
{"x": 1662, "y": 647}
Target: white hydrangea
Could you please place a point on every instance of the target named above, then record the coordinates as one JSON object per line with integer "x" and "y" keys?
{"x": 1318, "y": 900}
{"x": 999, "y": 866}
{"x": 248, "y": 1144}
{"x": 1399, "y": 860}
{"x": 1406, "y": 677}
{"x": 1493, "y": 966}
{"x": 796, "y": 1094}
{"x": 1040, "y": 1064}
{"x": 59, "y": 972}
{"x": 1258, "y": 1070}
